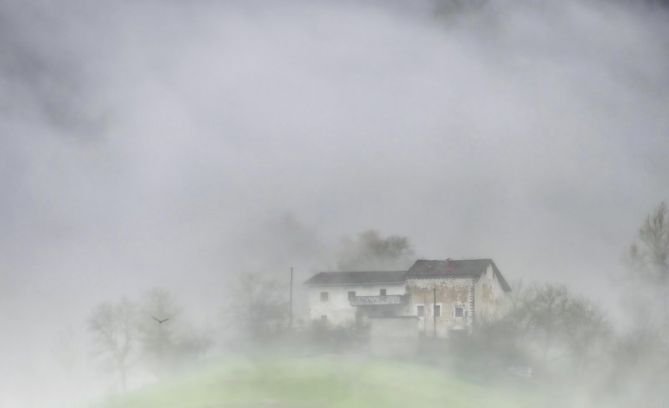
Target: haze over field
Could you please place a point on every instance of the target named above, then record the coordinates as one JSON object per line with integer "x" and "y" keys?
{"x": 178, "y": 144}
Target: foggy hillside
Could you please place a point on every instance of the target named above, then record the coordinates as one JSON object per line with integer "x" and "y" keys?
{"x": 179, "y": 144}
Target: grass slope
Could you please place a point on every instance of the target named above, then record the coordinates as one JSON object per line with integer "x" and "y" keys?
{"x": 321, "y": 382}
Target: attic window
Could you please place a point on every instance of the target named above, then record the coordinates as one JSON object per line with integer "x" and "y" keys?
{"x": 382, "y": 292}
{"x": 325, "y": 296}
{"x": 351, "y": 294}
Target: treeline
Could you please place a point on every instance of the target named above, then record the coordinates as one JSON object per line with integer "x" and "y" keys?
{"x": 148, "y": 334}
{"x": 153, "y": 335}
{"x": 550, "y": 335}
{"x": 556, "y": 338}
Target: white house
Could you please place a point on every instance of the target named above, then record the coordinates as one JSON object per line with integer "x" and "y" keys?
{"x": 444, "y": 295}
{"x": 342, "y": 297}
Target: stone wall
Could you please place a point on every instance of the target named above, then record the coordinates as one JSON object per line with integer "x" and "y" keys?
{"x": 454, "y": 296}
{"x": 490, "y": 300}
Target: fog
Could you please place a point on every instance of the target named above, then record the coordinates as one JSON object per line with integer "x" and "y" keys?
{"x": 180, "y": 144}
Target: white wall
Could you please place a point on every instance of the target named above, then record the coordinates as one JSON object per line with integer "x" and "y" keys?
{"x": 338, "y": 309}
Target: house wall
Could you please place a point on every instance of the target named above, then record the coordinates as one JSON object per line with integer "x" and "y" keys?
{"x": 489, "y": 297}
{"x": 450, "y": 293}
{"x": 338, "y": 309}
{"x": 482, "y": 298}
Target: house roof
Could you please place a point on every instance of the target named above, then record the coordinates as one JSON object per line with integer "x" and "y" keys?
{"x": 427, "y": 268}
{"x": 421, "y": 269}
{"x": 357, "y": 278}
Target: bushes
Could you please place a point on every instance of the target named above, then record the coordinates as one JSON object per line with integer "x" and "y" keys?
{"x": 324, "y": 336}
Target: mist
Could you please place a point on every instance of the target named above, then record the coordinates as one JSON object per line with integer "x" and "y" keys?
{"x": 180, "y": 144}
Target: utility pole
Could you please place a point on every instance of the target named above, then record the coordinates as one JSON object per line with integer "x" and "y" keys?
{"x": 290, "y": 313}
{"x": 425, "y": 315}
{"x": 434, "y": 310}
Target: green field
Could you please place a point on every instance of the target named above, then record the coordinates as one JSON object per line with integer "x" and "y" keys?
{"x": 321, "y": 382}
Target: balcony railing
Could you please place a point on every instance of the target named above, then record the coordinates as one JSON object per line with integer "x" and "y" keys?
{"x": 378, "y": 300}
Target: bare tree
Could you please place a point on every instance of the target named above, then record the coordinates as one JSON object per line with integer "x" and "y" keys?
{"x": 157, "y": 320}
{"x": 648, "y": 263}
{"x": 649, "y": 255}
{"x": 557, "y": 323}
{"x": 643, "y": 352}
{"x": 114, "y": 326}
{"x": 587, "y": 331}
{"x": 372, "y": 251}
{"x": 257, "y": 307}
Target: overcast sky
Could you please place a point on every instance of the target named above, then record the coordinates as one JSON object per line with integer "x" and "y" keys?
{"x": 168, "y": 143}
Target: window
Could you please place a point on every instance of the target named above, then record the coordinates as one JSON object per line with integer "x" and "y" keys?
{"x": 437, "y": 310}
{"x": 325, "y": 296}
{"x": 459, "y": 311}
{"x": 324, "y": 318}
{"x": 351, "y": 294}
{"x": 420, "y": 310}
{"x": 382, "y": 292}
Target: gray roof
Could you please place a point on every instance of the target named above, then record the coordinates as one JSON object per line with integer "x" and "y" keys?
{"x": 421, "y": 269}
{"x": 426, "y": 268}
{"x": 357, "y": 278}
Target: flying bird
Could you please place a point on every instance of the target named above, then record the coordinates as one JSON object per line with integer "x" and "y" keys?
{"x": 160, "y": 321}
